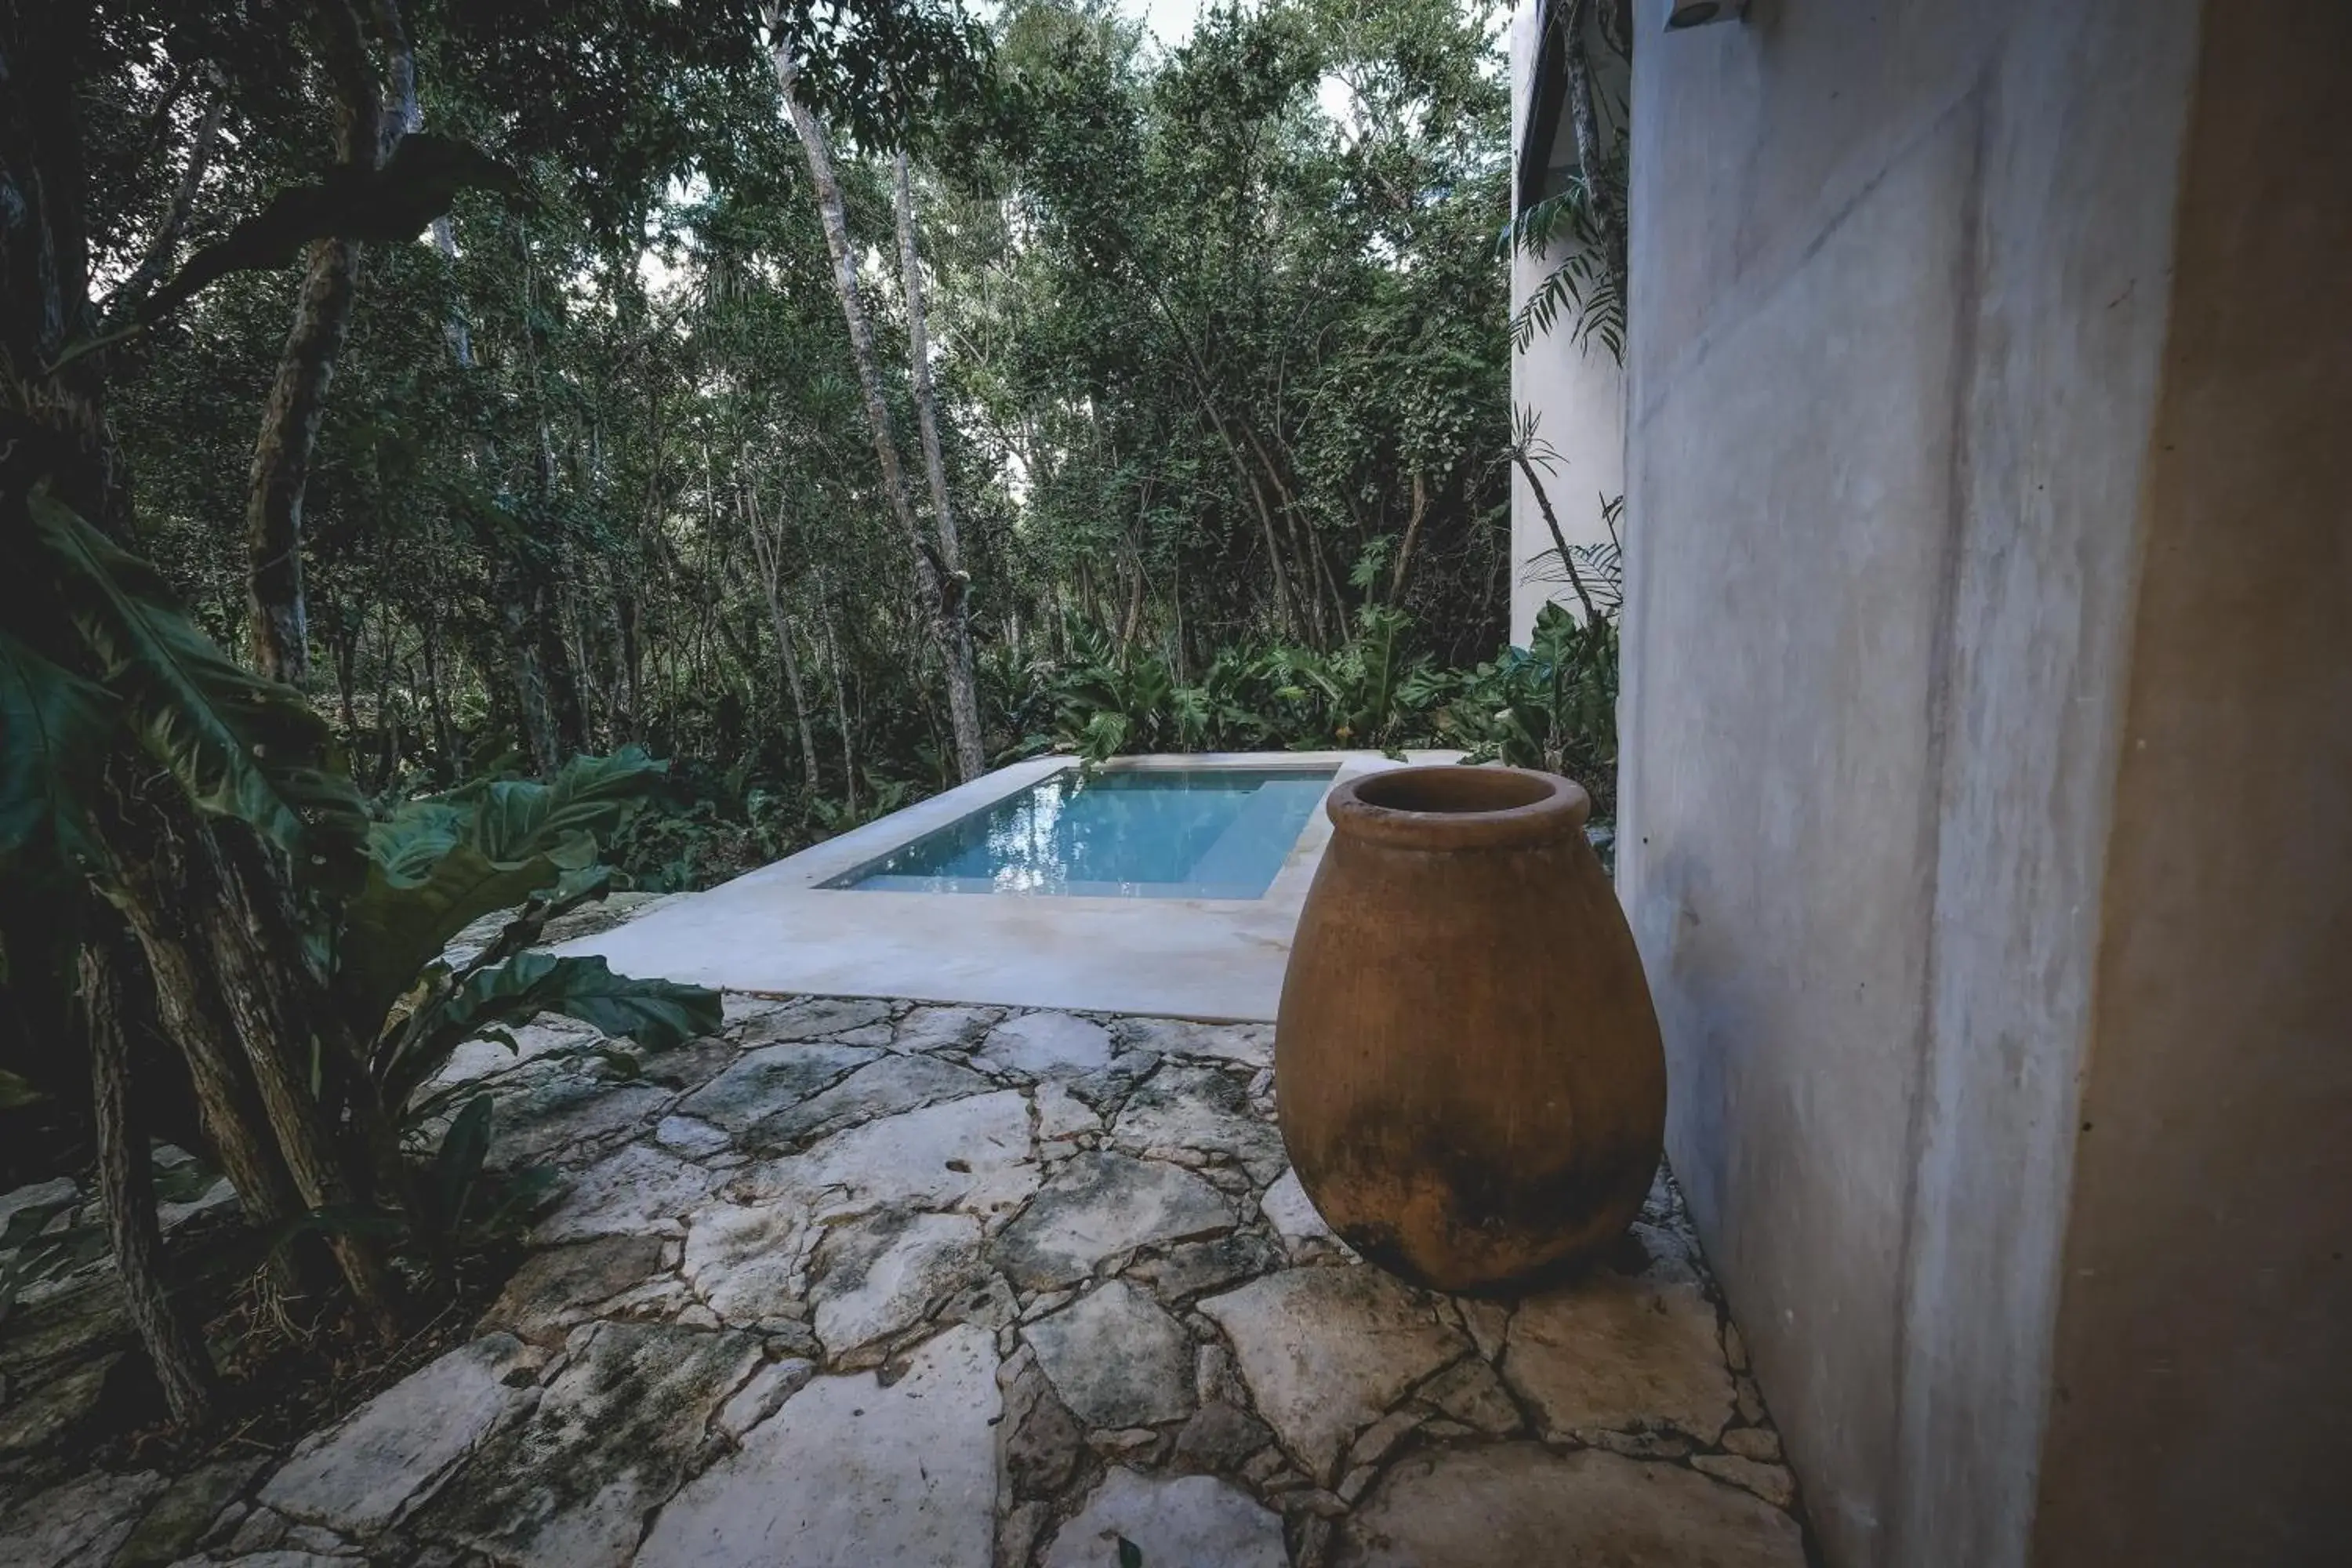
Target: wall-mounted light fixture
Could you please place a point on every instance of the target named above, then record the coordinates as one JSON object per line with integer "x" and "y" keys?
{"x": 1681, "y": 14}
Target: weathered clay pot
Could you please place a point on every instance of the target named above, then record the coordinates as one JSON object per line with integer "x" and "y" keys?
{"x": 1467, "y": 1065}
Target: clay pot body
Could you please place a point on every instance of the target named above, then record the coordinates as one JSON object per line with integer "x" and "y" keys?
{"x": 1467, "y": 1068}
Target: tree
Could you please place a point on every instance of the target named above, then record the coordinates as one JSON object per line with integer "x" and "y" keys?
{"x": 193, "y": 820}
{"x": 963, "y": 698}
{"x": 937, "y": 583}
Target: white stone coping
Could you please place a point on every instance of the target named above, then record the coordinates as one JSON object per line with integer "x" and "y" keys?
{"x": 777, "y": 929}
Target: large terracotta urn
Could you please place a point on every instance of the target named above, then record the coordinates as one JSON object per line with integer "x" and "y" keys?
{"x": 1466, "y": 1066}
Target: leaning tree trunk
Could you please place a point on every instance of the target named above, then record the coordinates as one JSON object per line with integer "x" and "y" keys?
{"x": 241, "y": 1001}
{"x": 127, "y": 1185}
{"x": 963, "y": 689}
{"x": 275, "y": 631}
{"x": 931, "y": 583}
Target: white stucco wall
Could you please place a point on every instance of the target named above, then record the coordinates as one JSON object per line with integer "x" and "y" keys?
{"x": 1578, "y": 395}
{"x": 1986, "y": 720}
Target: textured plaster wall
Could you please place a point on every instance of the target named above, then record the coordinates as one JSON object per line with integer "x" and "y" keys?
{"x": 1904, "y": 281}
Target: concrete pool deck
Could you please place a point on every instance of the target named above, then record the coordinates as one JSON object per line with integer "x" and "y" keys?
{"x": 778, "y": 929}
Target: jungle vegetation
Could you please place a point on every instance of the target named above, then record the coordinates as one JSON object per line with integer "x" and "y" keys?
{"x": 463, "y": 456}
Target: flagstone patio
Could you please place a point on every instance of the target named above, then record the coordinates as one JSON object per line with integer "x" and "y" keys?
{"x": 865, "y": 1282}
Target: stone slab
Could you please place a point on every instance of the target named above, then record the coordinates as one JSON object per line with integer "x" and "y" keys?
{"x": 1521, "y": 1503}
{"x": 883, "y": 1087}
{"x": 555, "y": 1288}
{"x": 569, "y": 1485}
{"x": 368, "y": 1470}
{"x": 771, "y": 1080}
{"x": 1185, "y": 1522}
{"x": 1117, "y": 1358}
{"x": 945, "y": 1029}
{"x": 1619, "y": 1352}
{"x": 971, "y": 1153}
{"x": 1205, "y": 1111}
{"x": 873, "y": 1279}
{"x": 1043, "y": 1045}
{"x": 1100, "y": 1204}
{"x": 78, "y": 1523}
{"x": 849, "y": 1474}
{"x": 745, "y": 1260}
{"x": 1328, "y": 1352}
{"x": 637, "y": 1192}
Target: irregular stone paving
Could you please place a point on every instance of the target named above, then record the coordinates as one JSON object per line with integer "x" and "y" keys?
{"x": 861, "y": 1282}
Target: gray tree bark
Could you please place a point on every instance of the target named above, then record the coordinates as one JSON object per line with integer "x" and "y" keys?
{"x": 963, "y": 691}
{"x": 770, "y": 554}
{"x": 157, "y": 260}
{"x": 840, "y": 698}
{"x": 930, "y": 581}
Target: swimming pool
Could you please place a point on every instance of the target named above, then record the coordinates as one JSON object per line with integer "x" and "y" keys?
{"x": 1146, "y": 833}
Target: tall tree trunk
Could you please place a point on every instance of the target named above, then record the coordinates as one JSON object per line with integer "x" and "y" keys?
{"x": 277, "y": 626}
{"x": 162, "y": 885}
{"x": 770, "y": 554}
{"x": 277, "y": 631}
{"x": 126, "y": 1184}
{"x": 628, "y": 664}
{"x": 1558, "y": 540}
{"x": 930, "y": 581}
{"x": 445, "y": 740}
{"x": 251, "y": 932}
{"x": 517, "y": 598}
{"x": 1411, "y": 532}
{"x": 544, "y": 560}
{"x": 963, "y": 690}
{"x": 164, "y": 244}
{"x": 840, "y": 698}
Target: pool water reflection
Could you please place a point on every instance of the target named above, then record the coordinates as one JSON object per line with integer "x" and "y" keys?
{"x": 1165, "y": 833}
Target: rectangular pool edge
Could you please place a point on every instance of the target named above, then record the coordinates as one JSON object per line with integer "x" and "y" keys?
{"x": 1220, "y": 831}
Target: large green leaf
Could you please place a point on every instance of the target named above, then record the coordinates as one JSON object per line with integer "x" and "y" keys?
{"x": 418, "y": 834}
{"x": 439, "y": 865}
{"x": 395, "y": 927}
{"x": 655, "y": 1013}
{"x": 241, "y": 746}
{"x": 54, "y": 727}
{"x": 589, "y": 796}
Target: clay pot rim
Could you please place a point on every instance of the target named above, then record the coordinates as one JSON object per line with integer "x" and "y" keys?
{"x": 1446, "y": 805}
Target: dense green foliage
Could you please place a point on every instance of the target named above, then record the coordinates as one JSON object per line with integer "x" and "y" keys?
{"x": 578, "y": 446}
{"x": 1219, "y": 370}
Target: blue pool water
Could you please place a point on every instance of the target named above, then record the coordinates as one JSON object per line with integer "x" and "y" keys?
{"x": 1188, "y": 833}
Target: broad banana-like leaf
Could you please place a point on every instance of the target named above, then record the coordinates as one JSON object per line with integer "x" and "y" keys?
{"x": 589, "y": 796}
{"x": 439, "y": 865}
{"x": 655, "y": 1013}
{"x": 393, "y": 928}
{"x": 17, "y": 1091}
{"x": 241, "y": 746}
{"x": 54, "y": 728}
{"x": 418, "y": 834}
